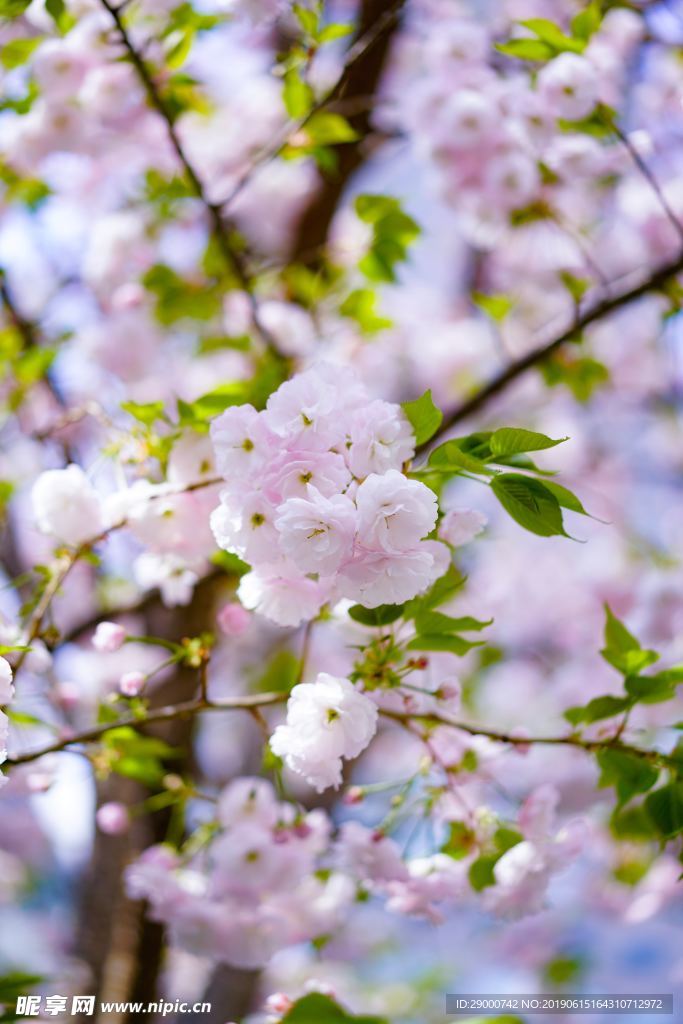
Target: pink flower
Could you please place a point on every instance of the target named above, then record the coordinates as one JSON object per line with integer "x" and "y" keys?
{"x": 131, "y": 684}
{"x": 317, "y": 532}
{"x": 233, "y": 619}
{"x": 287, "y": 599}
{"x": 381, "y": 439}
{"x": 394, "y": 513}
{"x": 290, "y": 472}
{"x": 461, "y": 525}
{"x": 241, "y": 443}
{"x": 392, "y": 579}
{"x": 108, "y": 637}
{"x": 113, "y": 819}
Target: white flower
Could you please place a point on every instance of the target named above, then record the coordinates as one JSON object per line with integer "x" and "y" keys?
{"x": 170, "y": 573}
{"x": 461, "y": 525}
{"x": 569, "y": 85}
{"x": 381, "y": 439}
{"x": 6, "y": 688}
{"x": 317, "y": 532}
{"x": 326, "y": 721}
{"x": 66, "y": 505}
{"x": 394, "y": 513}
{"x": 287, "y": 599}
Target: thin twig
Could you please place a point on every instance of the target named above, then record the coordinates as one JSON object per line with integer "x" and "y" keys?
{"x": 231, "y": 258}
{"x": 172, "y": 712}
{"x": 515, "y": 369}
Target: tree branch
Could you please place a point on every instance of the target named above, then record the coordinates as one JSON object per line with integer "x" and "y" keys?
{"x": 250, "y": 702}
{"x": 515, "y": 369}
{"x": 170, "y": 713}
{"x": 219, "y": 228}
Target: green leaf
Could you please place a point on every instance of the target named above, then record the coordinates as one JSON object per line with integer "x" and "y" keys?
{"x": 665, "y": 809}
{"x": 443, "y": 590}
{"x": 450, "y": 458}
{"x": 58, "y": 12}
{"x": 213, "y": 402}
{"x": 530, "y": 503}
{"x": 622, "y": 650}
{"x": 587, "y": 22}
{"x": 146, "y": 412}
{"x": 319, "y": 1009}
{"x": 481, "y": 873}
{"x": 505, "y": 838}
{"x": 427, "y": 621}
{"x": 361, "y": 305}
{"x": 553, "y": 36}
{"x": 307, "y": 18}
{"x": 281, "y": 673}
{"x": 650, "y": 689}
{"x": 383, "y": 615}
{"x": 230, "y": 563}
{"x": 513, "y": 440}
{"x": 297, "y": 95}
{"x": 336, "y": 31}
{"x": 495, "y": 306}
{"x": 597, "y": 709}
{"x": 617, "y": 637}
{"x": 526, "y": 49}
{"x": 425, "y": 417}
{"x": 445, "y": 642}
{"x": 566, "y": 498}
{"x": 327, "y": 129}
{"x": 393, "y": 233}
{"x": 628, "y": 774}
{"x": 13, "y": 8}
{"x": 17, "y": 51}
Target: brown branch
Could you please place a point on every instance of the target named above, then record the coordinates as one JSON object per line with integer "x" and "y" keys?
{"x": 569, "y": 740}
{"x": 371, "y": 32}
{"x": 171, "y": 713}
{"x": 253, "y": 702}
{"x": 360, "y": 80}
{"x": 656, "y": 280}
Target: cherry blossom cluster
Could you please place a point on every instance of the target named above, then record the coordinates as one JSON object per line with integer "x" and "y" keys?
{"x": 256, "y": 889}
{"x": 315, "y": 500}
{"x": 500, "y": 139}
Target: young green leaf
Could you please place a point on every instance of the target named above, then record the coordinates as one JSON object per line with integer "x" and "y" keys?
{"x": 316, "y": 1008}
{"x": 383, "y": 615}
{"x": 513, "y": 440}
{"x": 530, "y": 503}
{"x": 425, "y": 417}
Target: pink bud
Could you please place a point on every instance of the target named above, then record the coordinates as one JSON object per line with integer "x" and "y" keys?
{"x": 520, "y": 733}
{"x": 112, "y": 819}
{"x": 233, "y": 619}
{"x": 353, "y": 795}
{"x": 131, "y": 684}
{"x": 68, "y": 694}
{"x": 278, "y": 1003}
{"x": 108, "y": 637}
{"x": 39, "y": 782}
{"x": 130, "y": 295}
